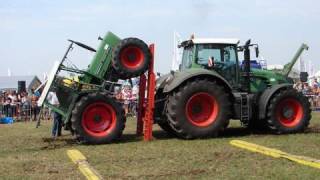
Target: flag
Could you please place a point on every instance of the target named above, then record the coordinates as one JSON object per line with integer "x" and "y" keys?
{"x": 177, "y": 52}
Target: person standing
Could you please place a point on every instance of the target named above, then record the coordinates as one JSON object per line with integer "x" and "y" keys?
{"x": 34, "y": 107}
{"x": 57, "y": 118}
{"x": 14, "y": 100}
{"x": 7, "y": 106}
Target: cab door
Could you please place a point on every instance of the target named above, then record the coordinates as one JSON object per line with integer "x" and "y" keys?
{"x": 221, "y": 58}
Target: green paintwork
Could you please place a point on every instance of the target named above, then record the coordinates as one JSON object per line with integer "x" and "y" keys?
{"x": 260, "y": 79}
{"x": 102, "y": 59}
{"x": 93, "y": 77}
{"x": 175, "y": 79}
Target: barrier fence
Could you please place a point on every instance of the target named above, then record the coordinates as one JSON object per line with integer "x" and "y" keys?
{"x": 24, "y": 112}
{"x": 314, "y": 101}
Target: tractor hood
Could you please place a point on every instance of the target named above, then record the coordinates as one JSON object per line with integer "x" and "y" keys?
{"x": 271, "y": 76}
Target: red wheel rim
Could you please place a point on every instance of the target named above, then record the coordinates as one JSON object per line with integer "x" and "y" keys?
{"x": 98, "y": 119}
{"x": 289, "y": 112}
{"x": 202, "y": 109}
{"x": 131, "y": 57}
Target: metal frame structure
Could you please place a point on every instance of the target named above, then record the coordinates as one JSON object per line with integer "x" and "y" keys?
{"x": 146, "y": 103}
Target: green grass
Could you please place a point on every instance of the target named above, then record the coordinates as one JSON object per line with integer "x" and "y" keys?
{"x": 29, "y": 153}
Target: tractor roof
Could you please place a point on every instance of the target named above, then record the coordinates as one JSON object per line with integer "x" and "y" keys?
{"x": 215, "y": 41}
{"x": 210, "y": 41}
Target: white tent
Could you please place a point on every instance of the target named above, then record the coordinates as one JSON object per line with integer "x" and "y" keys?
{"x": 317, "y": 74}
{"x": 274, "y": 66}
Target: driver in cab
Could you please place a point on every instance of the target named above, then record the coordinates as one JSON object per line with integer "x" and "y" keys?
{"x": 210, "y": 64}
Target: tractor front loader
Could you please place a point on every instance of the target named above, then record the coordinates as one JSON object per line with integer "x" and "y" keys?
{"x": 85, "y": 98}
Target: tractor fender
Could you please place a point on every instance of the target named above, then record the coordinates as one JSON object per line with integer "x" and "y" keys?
{"x": 175, "y": 79}
{"x": 267, "y": 95}
{"x": 161, "y": 81}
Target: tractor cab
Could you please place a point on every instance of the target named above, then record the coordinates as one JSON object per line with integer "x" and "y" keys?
{"x": 221, "y": 55}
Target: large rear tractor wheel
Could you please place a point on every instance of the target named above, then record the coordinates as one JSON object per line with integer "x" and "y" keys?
{"x": 97, "y": 119}
{"x": 288, "y": 112}
{"x": 198, "y": 109}
{"x": 131, "y": 58}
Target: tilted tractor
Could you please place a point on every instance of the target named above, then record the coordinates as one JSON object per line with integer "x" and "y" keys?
{"x": 85, "y": 100}
{"x": 197, "y": 101}
{"x": 211, "y": 88}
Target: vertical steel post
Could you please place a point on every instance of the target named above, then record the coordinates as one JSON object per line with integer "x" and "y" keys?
{"x": 148, "y": 118}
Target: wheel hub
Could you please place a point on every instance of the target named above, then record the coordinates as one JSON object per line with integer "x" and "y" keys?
{"x": 289, "y": 112}
{"x": 98, "y": 119}
{"x": 196, "y": 109}
{"x": 202, "y": 109}
{"x": 132, "y": 57}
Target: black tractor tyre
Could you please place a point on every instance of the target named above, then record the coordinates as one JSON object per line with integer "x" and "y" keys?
{"x": 97, "y": 119}
{"x": 159, "y": 113}
{"x": 198, "y": 109}
{"x": 288, "y": 112}
{"x": 131, "y": 58}
{"x": 164, "y": 125}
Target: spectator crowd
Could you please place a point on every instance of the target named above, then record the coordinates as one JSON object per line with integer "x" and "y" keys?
{"x": 127, "y": 94}
{"x": 22, "y": 106}
{"x": 311, "y": 90}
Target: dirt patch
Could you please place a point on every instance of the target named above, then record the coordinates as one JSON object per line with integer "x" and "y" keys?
{"x": 52, "y": 144}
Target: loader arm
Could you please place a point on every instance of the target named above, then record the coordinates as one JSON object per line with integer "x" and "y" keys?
{"x": 287, "y": 70}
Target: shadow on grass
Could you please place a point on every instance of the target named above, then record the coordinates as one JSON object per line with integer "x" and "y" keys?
{"x": 69, "y": 141}
{"x": 240, "y": 132}
{"x": 313, "y": 129}
{"x": 157, "y": 134}
{"x": 163, "y": 135}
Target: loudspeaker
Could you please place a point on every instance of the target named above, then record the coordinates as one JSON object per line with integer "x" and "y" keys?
{"x": 304, "y": 76}
{"x": 21, "y": 86}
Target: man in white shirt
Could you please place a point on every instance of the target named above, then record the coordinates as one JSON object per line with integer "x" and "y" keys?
{"x": 57, "y": 118}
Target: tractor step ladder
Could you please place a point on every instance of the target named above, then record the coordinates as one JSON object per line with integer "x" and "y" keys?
{"x": 146, "y": 103}
{"x": 244, "y": 109}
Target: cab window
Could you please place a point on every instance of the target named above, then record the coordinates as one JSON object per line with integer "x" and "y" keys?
{"x": 229, "y": 54}
{"x": 187, "y": 57}
{"x": 205, "y": 51}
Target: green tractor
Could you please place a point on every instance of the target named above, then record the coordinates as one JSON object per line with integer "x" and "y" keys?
{"x": 85, "y": 97}
{"x": 211, "y": 87}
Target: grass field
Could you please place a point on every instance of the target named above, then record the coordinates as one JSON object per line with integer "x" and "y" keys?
{"x": 29, "y": 153}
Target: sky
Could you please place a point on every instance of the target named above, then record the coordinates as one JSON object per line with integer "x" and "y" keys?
{"x": 33, "y": 34}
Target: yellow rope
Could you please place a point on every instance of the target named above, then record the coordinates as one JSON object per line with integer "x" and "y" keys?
{"x": 276, "y": 153}
{"x": 79, "y": 159}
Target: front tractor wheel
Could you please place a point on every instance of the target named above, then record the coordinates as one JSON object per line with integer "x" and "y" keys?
{"x": 131, "y": 58}
{"x": 288, "y": 112}
{"x": 199, "y": 109}
{"x": 97, "y": 119}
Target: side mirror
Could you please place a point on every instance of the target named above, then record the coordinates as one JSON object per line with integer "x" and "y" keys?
{"x": 158, "y": 74}
{"x": 257, "y": 51}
